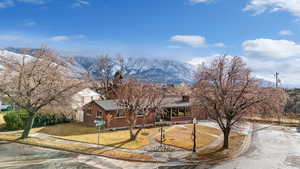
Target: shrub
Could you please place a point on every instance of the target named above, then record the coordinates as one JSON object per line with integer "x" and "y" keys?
{"x": 16, "y": 119}
{"x": 45, "y": 119}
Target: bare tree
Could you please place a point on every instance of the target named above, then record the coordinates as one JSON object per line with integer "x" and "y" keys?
{"x": 137, "y": 99}
{"x": 153, "y": 100}
{"x": 104, "y": 68}
{"x": 227, "y": 92}
{"x": 33, "y": 83}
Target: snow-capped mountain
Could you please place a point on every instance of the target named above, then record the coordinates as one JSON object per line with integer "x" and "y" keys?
{"x": 6, "y": 53}
{"x": 151, "y": 70}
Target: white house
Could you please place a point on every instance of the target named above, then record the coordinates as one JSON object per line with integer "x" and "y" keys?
{"x": 81, "y": 98}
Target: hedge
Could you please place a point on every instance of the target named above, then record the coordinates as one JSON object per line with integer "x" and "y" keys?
{"x": 16, "y": 119}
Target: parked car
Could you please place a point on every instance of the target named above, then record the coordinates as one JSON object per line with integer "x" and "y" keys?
{"x": 5, "y": 107}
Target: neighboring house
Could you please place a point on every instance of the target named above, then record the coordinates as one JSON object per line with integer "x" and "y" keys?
{"x": 177, "y": 110}
{"x": 81, "y": 98}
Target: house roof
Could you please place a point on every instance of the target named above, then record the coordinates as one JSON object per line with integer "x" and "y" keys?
{"x": 110, "y": 105}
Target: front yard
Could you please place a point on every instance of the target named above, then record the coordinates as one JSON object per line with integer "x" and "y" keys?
{"x": 177, "y": 136}
{"x": 181, "y": 136}
{"x": 236, "y": 141}
{"x": 88, "y": 134}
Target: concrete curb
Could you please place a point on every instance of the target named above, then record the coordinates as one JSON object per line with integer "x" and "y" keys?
{"x": 84, "y": 153}
{"x": 246, "y": 144}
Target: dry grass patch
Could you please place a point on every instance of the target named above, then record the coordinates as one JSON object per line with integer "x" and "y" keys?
{"x": 182, "y": 136}
{"x": 281, "y": 120}
{"x": 235, "y": 142}
{"x": 83, "y": 133}
{"x": 10, "y": 137}
{"x": 74, "y": 147}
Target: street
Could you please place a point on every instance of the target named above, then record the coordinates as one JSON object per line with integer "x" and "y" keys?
{"x": 272, "y": 147}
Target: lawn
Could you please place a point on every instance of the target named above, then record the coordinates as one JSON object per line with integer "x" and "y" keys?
{"x": 83, "y": 133}
{"x": 283, "y": 120}
{"x": 181, "y": 137}
{"x": 235, "y": 142}
{"x": 74, "y": 147}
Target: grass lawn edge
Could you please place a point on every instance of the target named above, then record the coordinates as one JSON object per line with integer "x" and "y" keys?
{"x": 241, "y": 149}
{"x": 26, "y": 142}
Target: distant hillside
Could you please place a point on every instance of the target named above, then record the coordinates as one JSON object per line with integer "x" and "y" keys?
{"x": 151, "y": 70}
{"x": 293, "y": 105}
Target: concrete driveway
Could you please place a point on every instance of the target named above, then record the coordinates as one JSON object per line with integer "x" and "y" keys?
{"x": 272, "y": 148}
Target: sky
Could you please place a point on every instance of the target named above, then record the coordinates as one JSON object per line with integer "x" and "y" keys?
{"x": 264, "y": 32}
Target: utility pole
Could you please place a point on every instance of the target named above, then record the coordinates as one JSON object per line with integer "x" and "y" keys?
{"x": 277, "y": 80}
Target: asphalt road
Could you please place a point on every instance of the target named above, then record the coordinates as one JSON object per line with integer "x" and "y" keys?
{"x": 271, "y": 148}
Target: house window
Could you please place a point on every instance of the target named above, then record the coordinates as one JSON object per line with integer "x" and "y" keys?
{"x": 181, "y": 111}
{"x": 119, "y": 114}
{"x": 87, "y": 112}
{"x": 188, "y": 112}
{"x": 99, "y": 114}
{"x": 141, "y": 113}
{"x": 174, "y": 112}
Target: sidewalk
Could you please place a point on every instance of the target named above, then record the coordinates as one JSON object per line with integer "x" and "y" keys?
{"x": 178, "y": 156}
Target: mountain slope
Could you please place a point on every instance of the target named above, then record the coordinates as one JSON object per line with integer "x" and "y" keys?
{"x": 158, "y": 71}
{"x": 151, "y": 70}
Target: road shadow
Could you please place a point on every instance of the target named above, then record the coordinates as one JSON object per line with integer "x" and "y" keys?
{"x": 298, "y": 129}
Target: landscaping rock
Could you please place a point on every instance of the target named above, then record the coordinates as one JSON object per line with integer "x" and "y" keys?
{"x": 161, "y": 148}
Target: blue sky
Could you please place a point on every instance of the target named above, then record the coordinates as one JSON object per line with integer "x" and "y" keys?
{"x": 264, "y": 32}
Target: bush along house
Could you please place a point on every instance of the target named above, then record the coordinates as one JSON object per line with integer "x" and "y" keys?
{"x": 177, "y": 110}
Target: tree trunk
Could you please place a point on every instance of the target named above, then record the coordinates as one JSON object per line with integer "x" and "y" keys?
{"x": 132, "y": 137}
{"x": 28, "y": 126}
{"x": 226, "y": 133}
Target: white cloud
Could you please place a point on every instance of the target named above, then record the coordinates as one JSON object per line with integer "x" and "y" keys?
{"x": 219, "y": 44}
{"x": 173, "y": 47}
{"x": 285, "y": 32}
{"x": 80, "y": 36}
{"x": 288, "y": 69}
{"x": 261, "y": 6}
{"x": 10, "y": 37}
{"x": 200, "y": 1}
{"x": 80, "y": 3}
{"x": 7, "y": 3}
{"x": 267, "y": 56}
{"x": 264, "y": 68}
{"x": 192, "y": 40}
{"x": 269, "y": 48}
{"x": 33, "y": 1}
{"x": 30, "y": 23}
{"x": 59, "y": 38}
{"x": 200, "y": 60}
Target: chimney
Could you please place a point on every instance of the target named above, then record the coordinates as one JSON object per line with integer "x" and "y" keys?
{"x": 185, "y": 98}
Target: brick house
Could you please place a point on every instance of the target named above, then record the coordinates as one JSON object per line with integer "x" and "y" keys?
{"x": 177, "y": 110}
